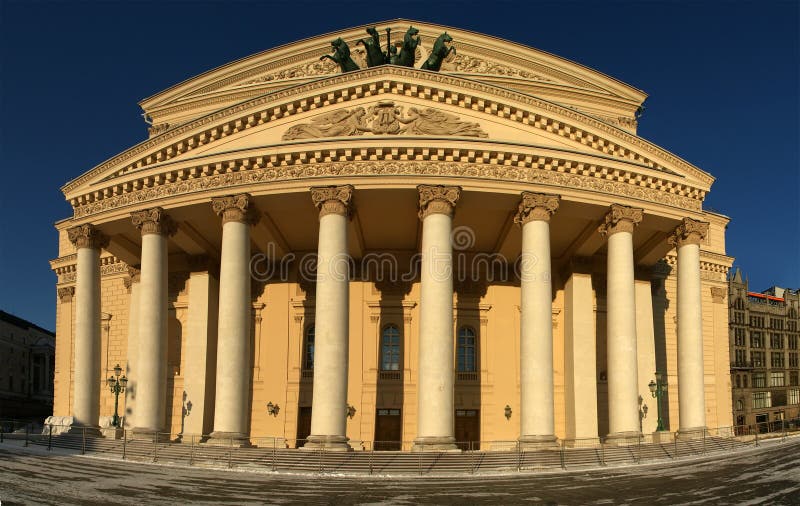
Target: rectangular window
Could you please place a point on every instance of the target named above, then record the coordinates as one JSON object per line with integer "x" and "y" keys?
{"x": 793, "y": 396}
{"x": 756, "y": 341}
{"x": 738, "y": 336}
{"x": 793, "y": 359}
{"x": 390, "y": 348}
{"x": 758, "y": 358}
{"x": 776, "y": 359}
{"x": 777, "y": 379}
{"x": 465, "y": 350}
{"x": 792, "y": 342}
{"x": 741, "y": 358}
{"x": 759, "y": 380}
{"x": 791, "y": 325}
{"x": 776, "y": 341}
{"x": 762, "y": 400}
{"x": 776, "y": 323}
{"x": 793, "y": 379}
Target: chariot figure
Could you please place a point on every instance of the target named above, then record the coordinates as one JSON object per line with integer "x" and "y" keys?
{"x": 439, "y": 52}
{"x": 341, "y": 55}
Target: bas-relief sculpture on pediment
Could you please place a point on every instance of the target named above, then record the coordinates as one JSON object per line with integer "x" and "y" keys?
{"x": 384, "y": 118}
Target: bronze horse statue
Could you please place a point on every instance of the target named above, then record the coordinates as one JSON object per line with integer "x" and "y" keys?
{"x": 439, "y": 53}
{"x": 409, "y": 49}
{"x": 372, "y": 46}
{"x": 341, "y": 55}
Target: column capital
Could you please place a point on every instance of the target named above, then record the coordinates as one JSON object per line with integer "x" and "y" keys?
{"x": 333, "y": 199}
{"x": 154, "y": 221}
{"x": 87, "y": 236}
{"x": 536, "y": 207}
{"x": 237, "y": 208}
{"x": 437, "y": 199}
{"x": 688, "y": 232}
{"x": 134, "y": 276}
{"x": 65, "y": 293}
{"x": 620, "y": 219}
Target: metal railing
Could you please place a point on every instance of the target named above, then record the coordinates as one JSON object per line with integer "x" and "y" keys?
{"x": 374, "y": 457}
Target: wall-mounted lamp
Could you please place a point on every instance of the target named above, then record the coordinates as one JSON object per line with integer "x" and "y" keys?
{"x": 350, "y": 412}
{"x": 273, "y": 409}
{"x": 507, "y": 411}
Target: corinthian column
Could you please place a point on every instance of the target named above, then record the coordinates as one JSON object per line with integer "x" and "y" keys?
{"x": 435, "y": 428}
{"x": 329, "y": 403}
{"x": 623, "y": 393}
{"x": 86, "y": 408}
{"x": 132, "y": 283}
{"x": 537, "y": 422}
{"x": 231, "y": 409}
{"x": 691, "y": 397}
{"x": 151, "y": 359}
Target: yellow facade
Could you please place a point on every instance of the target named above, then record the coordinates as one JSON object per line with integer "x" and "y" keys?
{"x": 546, "y": 125}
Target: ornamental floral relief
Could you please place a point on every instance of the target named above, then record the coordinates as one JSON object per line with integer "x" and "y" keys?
{"x": 384, "y": 118}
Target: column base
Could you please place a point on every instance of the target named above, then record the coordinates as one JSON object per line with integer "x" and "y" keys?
{"x": 232, "y": 439}
{"x": 581, "y": 442}
{"x": 538, "y": 442}
{"x": 89, "y": 430}
{"x": 329, "y": 443}
{"x": 628, "y": 438}
{"x": 663, "y": 436}
{"x": 435, "y": 444}
{"x": 692, "y": 433}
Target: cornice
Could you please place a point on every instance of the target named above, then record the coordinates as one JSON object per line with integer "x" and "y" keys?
{"x": 428, "y": 85}
{"x": 66, "y": 267}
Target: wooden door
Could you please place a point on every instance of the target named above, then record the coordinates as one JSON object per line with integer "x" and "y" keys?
{"x": 468, "y": 429}
{"x": 303, "y": 426}
{"x": 388, "y": 430}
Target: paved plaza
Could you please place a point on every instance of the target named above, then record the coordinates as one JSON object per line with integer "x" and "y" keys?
{"x": 769, "y": 474}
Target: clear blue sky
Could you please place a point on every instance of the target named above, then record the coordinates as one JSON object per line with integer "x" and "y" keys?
{"x": 722, "y": 79}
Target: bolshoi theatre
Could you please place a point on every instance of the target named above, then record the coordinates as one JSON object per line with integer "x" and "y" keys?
{"x": 401, "y": 237}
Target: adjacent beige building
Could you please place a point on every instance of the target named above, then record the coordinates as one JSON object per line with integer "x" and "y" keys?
{"x": 422, "y": 259}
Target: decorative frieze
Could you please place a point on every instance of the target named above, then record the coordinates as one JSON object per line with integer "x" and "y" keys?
{"x": 621, "y": 219}
{"x": 437, "y": 199}
{"x": 333, "y": 199}
{"x": 154, "y": 221}
{"x": 536, "y": 206}
{"x": 87, "y": 236}
{"x": 689, "y": 232}
{"x": 494, "y": 166}
{"x": 235, "y": 208}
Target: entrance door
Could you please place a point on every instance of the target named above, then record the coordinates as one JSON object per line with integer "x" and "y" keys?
{"x": 762, "y": 423}
{"x": 303, "y": 426}
{"x": 468, "y": 429}
{"x": 388, "y": 430}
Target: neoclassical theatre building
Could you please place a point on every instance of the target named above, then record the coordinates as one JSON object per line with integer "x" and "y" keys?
{"x": 357, "y": 241}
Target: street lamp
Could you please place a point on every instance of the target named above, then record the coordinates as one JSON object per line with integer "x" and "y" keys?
{"x": 658, "y": 388}
{"x": 117, "y": 386}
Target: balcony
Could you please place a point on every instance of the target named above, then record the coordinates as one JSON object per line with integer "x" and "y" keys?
{"x": 467, "y": 377}
{"x": 743, "y": 365}
{"x": 390, "y": 375}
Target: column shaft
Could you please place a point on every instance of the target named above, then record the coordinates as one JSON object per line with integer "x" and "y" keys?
{"x": 537, "y": 419}
{"x": 623, "y": 393}
{"x": 233, "y": 348}
{"x": 86, "y": 409}
{"x": 691, "y": 388}
{"x": 435, "y": 426}
{"x": 151, "y": 363}
{"x": 133, "y": 349}
{"x": 331, "y": 322}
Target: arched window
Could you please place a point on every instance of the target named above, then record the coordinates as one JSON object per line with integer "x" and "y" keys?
{"x": 308, "y": 348}
{"x": 465, "y": 350}
{"x": 739, "y": 404}
{"x": 390, "y": 348}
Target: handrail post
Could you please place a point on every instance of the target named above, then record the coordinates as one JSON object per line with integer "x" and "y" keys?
{"x": 274, "y": 452}
{"x": 602, "y": 453}
{"x": 191, "y": 450}
{"x": 756, "y": 431}
{"x": 704, "y": 441}
{"x": 371, "y": 449}
{"x": 50, "y": 438}
{"x": 230, "y": 452}
{"x": 419, "y": 459}
{"x": 124, "y": 442}
{"x": 563, "y": 460}
{"x": 675, "y": 438}
{"x": 519, "y": 458}
{"x": 155, "y": 446}
{"x": 27, "y": 427}
{"x": 83, "y": 441}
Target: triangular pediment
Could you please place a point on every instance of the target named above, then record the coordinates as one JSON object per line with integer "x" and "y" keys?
{"x": 480, "y": 57}
{"x": 389, "y": 107}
